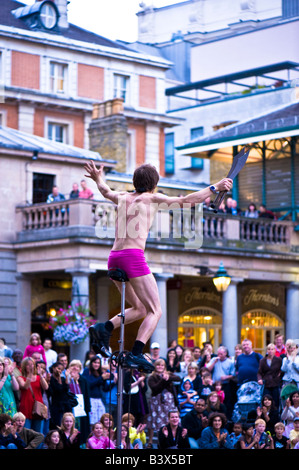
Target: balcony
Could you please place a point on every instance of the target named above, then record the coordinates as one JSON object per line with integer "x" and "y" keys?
{"x": 96, "y": 220}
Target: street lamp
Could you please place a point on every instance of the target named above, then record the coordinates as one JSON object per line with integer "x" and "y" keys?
{"x": 221, "y": 279}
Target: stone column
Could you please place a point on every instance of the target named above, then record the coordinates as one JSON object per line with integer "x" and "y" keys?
{"x": 173, "y": 314}
{"x": 160, "y": 334}
{"x": 292, "y": 317}
{"x": 102, "y": 295}
{"x": 80, "y": 294}
{"x": 23, "y": 311}
{"x": 230, "y": 316}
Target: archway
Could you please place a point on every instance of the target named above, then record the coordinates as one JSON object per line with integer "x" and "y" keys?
{"x": 200, "y": 324}
{"x": 260, "y": 326}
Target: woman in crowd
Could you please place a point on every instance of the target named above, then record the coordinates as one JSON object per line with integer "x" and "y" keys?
{"x": 79, "y": 386}
{"x": 135, "y": 401}
{"x": 187, "y": 358}
{"x": 31, "y": 385}
{"x": 95, "y": 378}
{"x": 172, "y": 435}
{"x": 58, "y": 393}
{"x": 161, "y": 383}
{"x": 110, "y": 391}
{"x": 215, "y": 436}
{"x": 172, "y": 361}
{"x": 290, "y": 364}
{"x": 269, "y": 373}
{"x": 251, "y": 211}
{"x": 214, "y": 404}
{"x": 206, "y": 355}
{"x": 193, "y": 376}
{"x": 290, "y": 411}
{"x": 8, "y": 385}
{"x": 267, "y": 411}
{"x": 41, "y": 369}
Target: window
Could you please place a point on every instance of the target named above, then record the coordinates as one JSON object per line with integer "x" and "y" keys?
{"x": 290, "y": 8}
{"x": 196, "y": 163}
{"x": 48, "y": 15}
{"x": 42, "y": 187}
{"x": 58, "y": 132}
{"x": 169, "y": 153}
{"x": 58, "y": 77}
{"x": 121, "y": 84}
{"x": 1, "y": 80}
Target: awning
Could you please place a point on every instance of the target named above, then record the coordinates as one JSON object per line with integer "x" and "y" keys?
{"x": 281, "y": 123}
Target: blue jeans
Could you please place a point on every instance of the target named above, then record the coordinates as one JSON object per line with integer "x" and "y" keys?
{"x": 35, "y": 424}
{"x": 9, "y": 446}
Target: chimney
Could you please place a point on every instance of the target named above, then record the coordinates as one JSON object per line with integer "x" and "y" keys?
{"x": 62, "y": 8}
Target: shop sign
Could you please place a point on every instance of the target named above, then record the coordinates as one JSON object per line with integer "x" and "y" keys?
{"x": 267, "y": 297}
{"x": 196, "y": 296}
{"x": 57, "y": 284}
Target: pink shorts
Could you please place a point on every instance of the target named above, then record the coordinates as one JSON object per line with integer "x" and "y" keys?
{"x": 131, "y": 260}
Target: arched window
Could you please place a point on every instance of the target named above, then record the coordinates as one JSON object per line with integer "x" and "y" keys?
{"x": 260, "y": 326}
{"x": 198, "y": 325}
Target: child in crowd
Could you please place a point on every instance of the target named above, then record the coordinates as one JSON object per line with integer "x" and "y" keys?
{"x": 70, "y": 436}
{"x": 263, "y": 440}
{"x": 246, "y": 441}
{"x": 136, "y": 435}
{"x": 53, "y": 440}
{"x": 108, "y": 425}
{"x": 236, "y": 434}
{"x": 294, "y": 434}
{"x": 187, "y": 397}
{"x": 35, "y": 345}
{"x": 220, "y": 392}
{"x": 279, "y": 440}
{"x": 207, "y": 384}
{"x": 97, "y": 439}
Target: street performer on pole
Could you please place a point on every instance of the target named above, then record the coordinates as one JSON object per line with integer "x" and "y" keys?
{"x": 133, "y": 221}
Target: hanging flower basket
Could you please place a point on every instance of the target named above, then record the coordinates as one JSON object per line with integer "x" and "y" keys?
{"x": 71, "y": 325}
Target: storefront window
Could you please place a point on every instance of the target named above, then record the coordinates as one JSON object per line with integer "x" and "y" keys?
{"x": 199, "y": 325}
{"x": 260, "y": 327}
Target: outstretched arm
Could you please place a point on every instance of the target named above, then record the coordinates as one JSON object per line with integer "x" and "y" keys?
{"x": 97, "y": 175}
{"x": 196, "y": 197}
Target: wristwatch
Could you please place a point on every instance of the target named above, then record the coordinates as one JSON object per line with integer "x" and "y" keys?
{"x": 213, "y": 189}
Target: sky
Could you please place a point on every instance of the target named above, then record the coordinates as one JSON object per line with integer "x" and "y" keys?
{"x": 113, "y": 19}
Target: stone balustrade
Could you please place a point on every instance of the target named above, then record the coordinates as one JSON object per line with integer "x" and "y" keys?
{"x": 175, "y": 226}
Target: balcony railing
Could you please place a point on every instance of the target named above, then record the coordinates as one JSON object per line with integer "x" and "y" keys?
{"x": 42, "y": 221}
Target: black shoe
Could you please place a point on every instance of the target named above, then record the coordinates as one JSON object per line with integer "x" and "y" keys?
{"x": 138, "y": 362}
{"x": 99, "y": 339}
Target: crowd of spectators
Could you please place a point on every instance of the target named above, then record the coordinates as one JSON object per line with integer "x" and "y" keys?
{"x": 230, "y": 207}
{"x": 190, "y": 400}
{"x": 84, "y": 193}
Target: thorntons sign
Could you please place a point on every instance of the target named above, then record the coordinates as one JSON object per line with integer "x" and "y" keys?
{"x": 267, "y": 297}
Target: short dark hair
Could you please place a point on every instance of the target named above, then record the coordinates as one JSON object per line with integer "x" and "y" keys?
{"x": 145, "y": 178}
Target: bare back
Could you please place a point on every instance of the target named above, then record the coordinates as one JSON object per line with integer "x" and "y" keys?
{"x": 135, "y": 214}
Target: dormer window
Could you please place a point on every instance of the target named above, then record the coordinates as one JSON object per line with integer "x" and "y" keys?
{"x": 48, "y": 15}
{"x": 40, "y": 15}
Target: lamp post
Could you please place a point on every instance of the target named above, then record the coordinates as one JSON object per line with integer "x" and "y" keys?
{"x": 221, "y": 279}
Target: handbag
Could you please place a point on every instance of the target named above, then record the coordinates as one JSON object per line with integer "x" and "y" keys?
{"x": 39, "y": 410}
{"x": 72, "y": 399}
{"x": 78, "y": 410}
